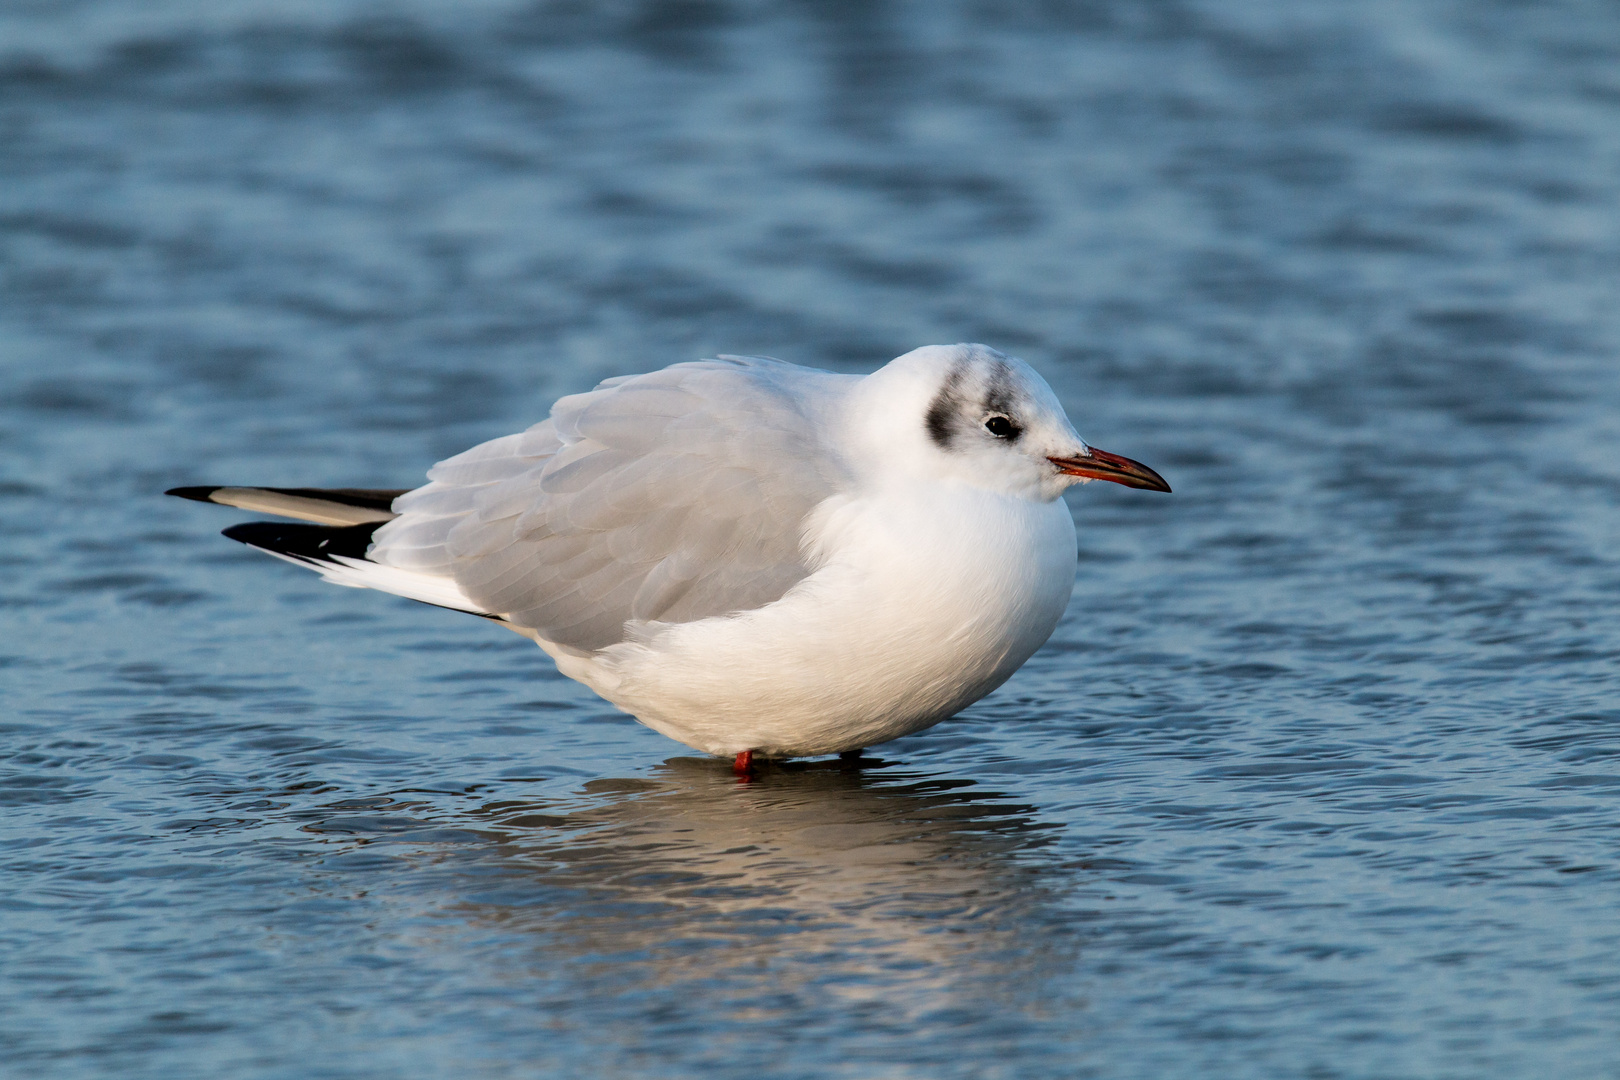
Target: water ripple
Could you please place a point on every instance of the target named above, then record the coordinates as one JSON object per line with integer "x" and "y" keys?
{"x": 1313, "y": 779}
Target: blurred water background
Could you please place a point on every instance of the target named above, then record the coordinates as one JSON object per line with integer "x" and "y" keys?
{"x": 1320, "y": 776}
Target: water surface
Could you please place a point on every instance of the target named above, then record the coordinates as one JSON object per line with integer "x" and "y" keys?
{"x": 1318, "y": 777}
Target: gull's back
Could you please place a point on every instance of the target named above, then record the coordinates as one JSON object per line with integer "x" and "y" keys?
{"x": 672, "y": 496}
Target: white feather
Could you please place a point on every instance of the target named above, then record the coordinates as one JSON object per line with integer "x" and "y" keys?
{"x": 413, "y": 585}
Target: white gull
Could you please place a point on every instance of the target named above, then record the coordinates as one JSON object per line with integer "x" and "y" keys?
{"x": 748, "y": 556}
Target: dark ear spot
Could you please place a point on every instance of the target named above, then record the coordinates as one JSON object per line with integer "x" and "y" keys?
{"x": 939, "y": 420}
{"x": 946, "y": 407}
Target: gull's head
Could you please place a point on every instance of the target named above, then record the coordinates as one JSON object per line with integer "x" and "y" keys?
{"x": 971, "y": 414}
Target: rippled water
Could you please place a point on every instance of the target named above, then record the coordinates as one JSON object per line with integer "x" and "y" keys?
{"x": 1320, "y": 776}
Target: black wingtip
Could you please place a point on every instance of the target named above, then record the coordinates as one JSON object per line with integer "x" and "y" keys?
{"x": 196, "y": 494}
{"x": 316, "y": 543}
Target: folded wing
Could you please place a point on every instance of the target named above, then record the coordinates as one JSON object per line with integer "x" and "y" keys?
{"x": 672, "y": 496}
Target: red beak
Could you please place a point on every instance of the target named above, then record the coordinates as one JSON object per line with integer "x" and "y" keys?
{"x": 1101, "y": 465}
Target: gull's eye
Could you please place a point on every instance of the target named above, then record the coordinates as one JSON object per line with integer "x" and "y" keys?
{"x": 1002, "y": 428}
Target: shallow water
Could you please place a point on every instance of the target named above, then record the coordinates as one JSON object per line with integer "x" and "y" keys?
{"x": 1320, "y": 776}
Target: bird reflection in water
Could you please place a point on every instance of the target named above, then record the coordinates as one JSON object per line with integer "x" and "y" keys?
{"x": 820, "y": 888}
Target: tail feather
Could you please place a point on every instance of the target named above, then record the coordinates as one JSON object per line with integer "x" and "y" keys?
{"x": 336, "y": 547}
{"x": 338, "y": 554}
{"x": 325, "y": 506}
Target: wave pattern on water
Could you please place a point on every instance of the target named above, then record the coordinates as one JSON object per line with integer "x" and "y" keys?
{"x": 1317, "y": 777}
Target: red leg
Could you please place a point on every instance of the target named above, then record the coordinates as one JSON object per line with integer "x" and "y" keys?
{"x": 744, "y": 765}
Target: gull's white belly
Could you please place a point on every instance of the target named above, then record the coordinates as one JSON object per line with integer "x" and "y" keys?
{"x": 922, "y": 606}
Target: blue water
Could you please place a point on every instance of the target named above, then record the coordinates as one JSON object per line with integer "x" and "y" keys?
{"x": 1319, "y": 777}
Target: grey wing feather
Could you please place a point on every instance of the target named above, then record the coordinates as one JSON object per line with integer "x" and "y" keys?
{"x": 671, "y": 496}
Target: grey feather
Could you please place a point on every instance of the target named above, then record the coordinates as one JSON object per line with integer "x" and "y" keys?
{"x": 673, "y": 496}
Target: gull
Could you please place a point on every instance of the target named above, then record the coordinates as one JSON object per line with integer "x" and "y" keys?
{"x": 752, "y": 557}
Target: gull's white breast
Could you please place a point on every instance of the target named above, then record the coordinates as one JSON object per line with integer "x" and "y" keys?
{"x": 924, "y": 600}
